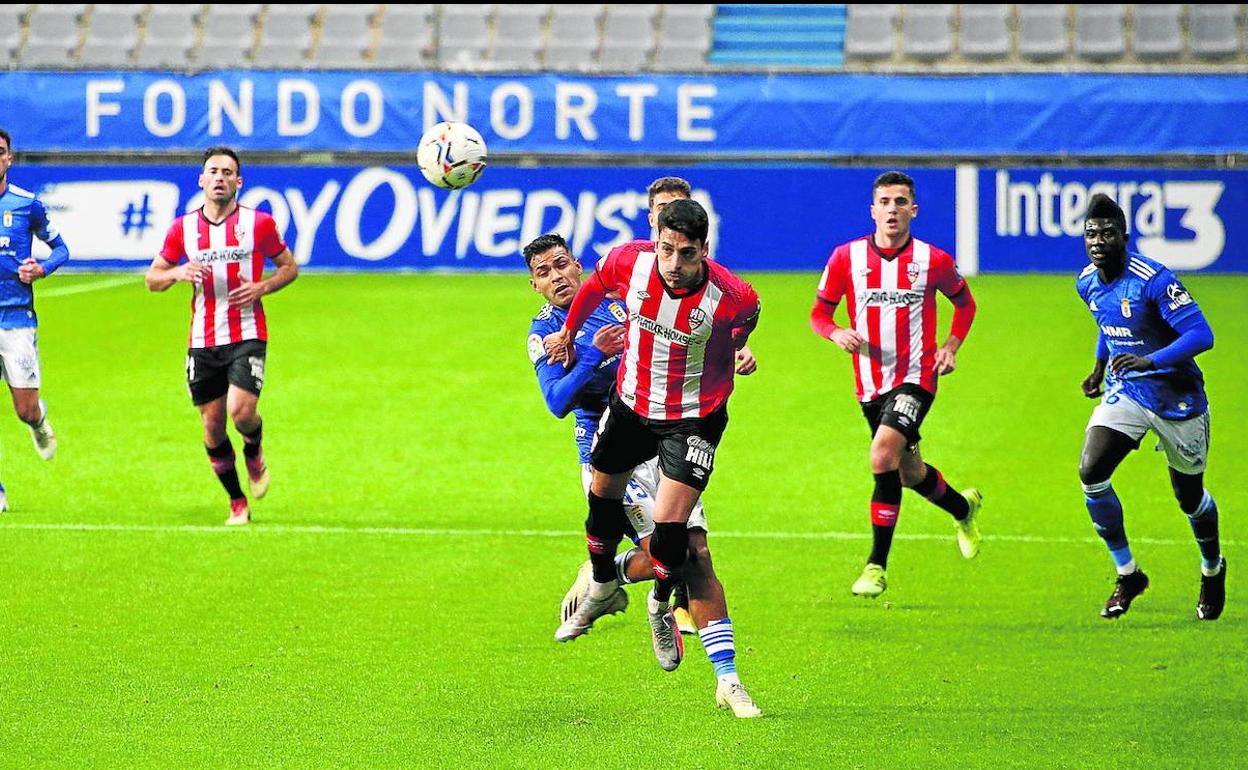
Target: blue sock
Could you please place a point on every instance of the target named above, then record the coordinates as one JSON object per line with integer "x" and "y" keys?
{"x": 1204, "y": 521}
{"x": 717, "y": 640}
{"x": 1106, "y": 512}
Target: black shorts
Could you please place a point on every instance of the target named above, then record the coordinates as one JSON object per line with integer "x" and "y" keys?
{"x": 211, "y": 371}
{"x": 902, "y": 408}
{"x": 686, "y": 447}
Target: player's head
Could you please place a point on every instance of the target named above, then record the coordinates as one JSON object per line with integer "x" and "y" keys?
{"x": 221, "y": 175}
{"x": 681, "y": 244}
{"x": 892, "y": 204}
{"x": 6, "y": 154}
{"x": 663, "y": 191}
{"x": 553, "y": 271}
{"x": 1105, "y": 231}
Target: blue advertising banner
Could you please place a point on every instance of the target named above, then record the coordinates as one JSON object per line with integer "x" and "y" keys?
{"x": 708, "y": 115}
{"x": 763, "y": 217}
{"x": 1031, "y": 219}
{"x": 385, "y": 218}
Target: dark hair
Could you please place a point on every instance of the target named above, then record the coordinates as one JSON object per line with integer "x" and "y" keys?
{"x": 223, "y": 150}
{"x": 7, "y": 140}
{"x": 668, "y": 184}
{"x": 889, "y": 178}
{"x": 542, "y": 244}
{"x": 685, "y": 216}
{"x": 1104, "y": 207}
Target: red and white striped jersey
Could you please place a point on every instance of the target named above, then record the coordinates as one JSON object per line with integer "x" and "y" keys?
{"x": 235, "y": 251}
{"x": 892, "y": 304}
{"x": 679, "y": 356}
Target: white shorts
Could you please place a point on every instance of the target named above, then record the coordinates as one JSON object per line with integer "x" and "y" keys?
{"x": 19, "y": 358}
{"x": 639, "y": 496}
{"x": 1185, "y": 442}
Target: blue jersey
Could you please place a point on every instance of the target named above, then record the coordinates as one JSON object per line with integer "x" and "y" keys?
{"x": 1139, "y": 313}
{"x": 23, "y": 218}
{"x": 585, "y": 388}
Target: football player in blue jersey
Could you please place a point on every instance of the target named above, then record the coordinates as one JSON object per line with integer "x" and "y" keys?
{"x": 583, "y": 390}
{"x": 1149, "y": 332}
{"x": 22, "y": 216}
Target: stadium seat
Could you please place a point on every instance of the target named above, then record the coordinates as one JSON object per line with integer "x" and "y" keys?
{"x": 676, "y": 14}
{"x": 519, "y": 34}
{"x": 1215, "y": 31}
{"x": 286, "y": 37}
{"x": 1099, "y": 33}
{"x": 574, "y": 38}
{"x": 406, "y": 37}
{"x": 677, "y": 57}
{"x": 463, "y": 35}
{"x": 1158, "y": 31}
{"x": 10, "y": 32}
{"x": 112, "y": 34}
{"x": 870, "y": 31}
{"x": 224, "y": 26}
{"x": 927, "y": 31}
{"x": 168, "y": 38}
{"x": 985, "y": 31}
{"x": 1042, "y": 32}
{"x": 53, "y": 35}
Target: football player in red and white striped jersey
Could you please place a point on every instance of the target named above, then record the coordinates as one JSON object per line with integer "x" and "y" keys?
{"x": 225, "y": 247}
{"x": 889, "y": 282}
{"x": 687, "y": 318}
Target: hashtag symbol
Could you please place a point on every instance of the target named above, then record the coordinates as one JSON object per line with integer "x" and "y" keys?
{"x": 135, "y": 218}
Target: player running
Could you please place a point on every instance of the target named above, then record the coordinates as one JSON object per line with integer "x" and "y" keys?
{"x": 22, "y": 215}
{"x": 889, "y": 280}
{"x": 1149, "y": 333}
{"x": 686, "y": 318}
{"x": 225, "y": 246}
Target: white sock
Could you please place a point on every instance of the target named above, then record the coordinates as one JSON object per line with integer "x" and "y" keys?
{"x": 656, "y": 605}
{"x": 1211, "y": 572}
{"x": 730, "y": 678}
{"x": 601, "y": 590}
{"x": 1128, "y": 568}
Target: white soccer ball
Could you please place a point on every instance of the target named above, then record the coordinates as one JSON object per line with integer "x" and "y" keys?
{"x": 451, "y": 155}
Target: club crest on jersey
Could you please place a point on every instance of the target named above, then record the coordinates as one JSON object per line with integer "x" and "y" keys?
{"x": 1126, "y": 308}
{"x": 697, "y": 317}
{"x": 8, "y": 219}
{"x": 618, "y": 312}
{"x": 239, "y": 233}
{"x": 912, "y": 272}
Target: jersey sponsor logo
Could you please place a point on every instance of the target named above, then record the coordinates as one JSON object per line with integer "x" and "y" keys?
{"x": 222, "y": 255}
{"x": 1178, "y": 296}
{"x": 4, "y": 241}
{"x": 891, "y": 297}
{"x": 1126, "y": 308}
{"x": 642, "y": 294}
{"x": 907, "y": 408}
{"x": 701, "y": 453}
{"x": 863, "y": 271}
{"x": 666, "y": 332}
{"x": 1117, "y": 332}
{"x": 618, "y": 312}
{"x": 536, "y": 350}
{"x": 545, "y": 312}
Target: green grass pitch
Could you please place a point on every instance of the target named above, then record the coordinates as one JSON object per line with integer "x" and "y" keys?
{"x": 394, "y": 602}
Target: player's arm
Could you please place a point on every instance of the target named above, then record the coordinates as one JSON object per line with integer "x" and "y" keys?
{"x": 32, "y": 269}
{"x": 951, "y": 283}
{"x": 247, "y": 292}
{"x": 1183, "y": 315}
{"x": 561, "y": 386}
{"x": 1091, "y": 384}
{"x": 827, "y": 298}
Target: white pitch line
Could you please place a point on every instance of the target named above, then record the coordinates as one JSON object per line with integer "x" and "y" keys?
{"x": 281, "y": 529}
{"x": 83, "y": 288}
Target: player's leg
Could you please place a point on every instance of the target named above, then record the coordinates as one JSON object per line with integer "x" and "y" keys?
{"x": 206, "y": 380}
{"x": 887, "y": 449}
{"x": 620, "y": 445}
{"x": 709, "y": 608}
{"x": 246, "y": 378}
{"x": 1186, "y": 444}
{"x": 20, "y": 352}
{"x": 964, "y": 507}
{"x": 1104, "y": 448}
